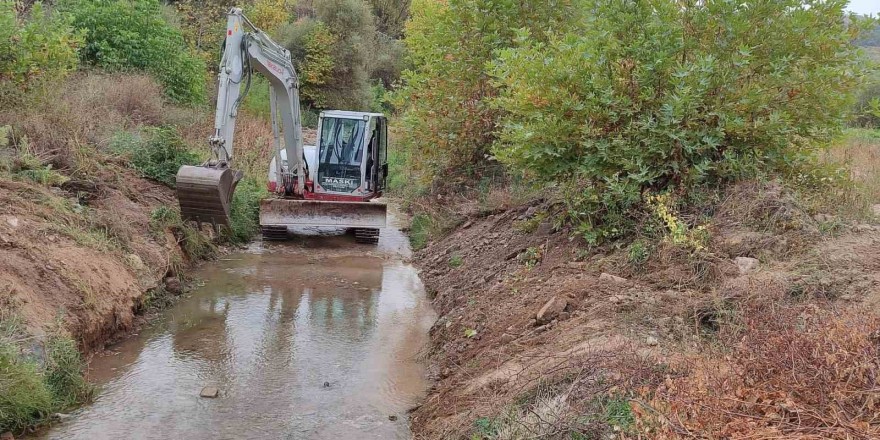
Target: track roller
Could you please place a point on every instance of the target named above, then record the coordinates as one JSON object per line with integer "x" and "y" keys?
{"x": 366, "y": 235}
{"x": 274, "y": 233}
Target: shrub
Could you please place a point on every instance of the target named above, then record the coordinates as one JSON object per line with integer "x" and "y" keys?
{"x": 310, "y": 43}
{"x": 245, "y": 217}
{"x": 447, "y": 119}
{"x": 34, "y": 50}
{"x": 195, "y": 245}
{"x": 654, "y": 96}
{"x": 134, "y": 34}
{"x": 156, "y": 153}
{"x": 17, "y": 159}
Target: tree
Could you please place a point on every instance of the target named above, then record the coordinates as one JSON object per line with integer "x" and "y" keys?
{"x": 39, "y": 47}
{"x": 135, "y": 34}
{"x": 391, "y": 16}
{"x": 449, "y": 122}
{"x": 336, "y": 52}
{"x": 652, "y": 96}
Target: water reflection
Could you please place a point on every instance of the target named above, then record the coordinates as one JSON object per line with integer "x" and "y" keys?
{"x": 269, "y": 329}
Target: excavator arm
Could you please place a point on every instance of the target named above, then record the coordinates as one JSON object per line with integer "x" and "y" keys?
{"x": 205, "y": 192}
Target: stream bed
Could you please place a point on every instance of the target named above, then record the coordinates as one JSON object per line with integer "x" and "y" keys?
{"x": 319, "y": 338}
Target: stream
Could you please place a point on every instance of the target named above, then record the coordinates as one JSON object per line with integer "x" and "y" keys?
{"x": 319, "y": 338}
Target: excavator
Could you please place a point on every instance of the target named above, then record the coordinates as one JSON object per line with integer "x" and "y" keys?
{"x": 328, "y": 185}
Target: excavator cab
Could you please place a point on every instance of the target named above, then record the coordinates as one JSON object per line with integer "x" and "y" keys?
{"x": 347, "y": 169}
{"x": 352, "y": 154}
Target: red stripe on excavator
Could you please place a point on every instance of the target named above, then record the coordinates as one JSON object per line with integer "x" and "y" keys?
{"x": 338, "y": 198}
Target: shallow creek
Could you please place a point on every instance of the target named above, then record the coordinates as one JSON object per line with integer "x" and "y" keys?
{"x": 319, "y": 338}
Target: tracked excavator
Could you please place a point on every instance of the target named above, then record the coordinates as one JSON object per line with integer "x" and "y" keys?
{"x": 329, "y": 185}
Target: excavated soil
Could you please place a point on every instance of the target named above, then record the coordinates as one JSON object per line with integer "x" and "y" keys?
{"x": 89, "y": 278}
{"x": 489, "y": 279}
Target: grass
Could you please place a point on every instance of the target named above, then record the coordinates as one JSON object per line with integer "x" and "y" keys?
{"x": 420, "y": 231}
{"x": 156, "y": 152}
{"x": 34, "y": 386}
{"x": 195, "y": 244}
{"x": 618, "y": 412}
{"x": 245, "y": 217}
{"x": 846, "y": 182}
{"x": 456, "y": 261}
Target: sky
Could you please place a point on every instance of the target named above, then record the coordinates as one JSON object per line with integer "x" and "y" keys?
{"x": 865, "y": 6}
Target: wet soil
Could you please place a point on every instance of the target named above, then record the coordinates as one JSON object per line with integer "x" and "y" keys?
{"x": 319, "y": 338}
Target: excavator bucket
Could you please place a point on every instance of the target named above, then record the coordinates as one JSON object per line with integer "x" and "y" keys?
{"x": 205, "y": 193}
{"x": 278, "y": 213}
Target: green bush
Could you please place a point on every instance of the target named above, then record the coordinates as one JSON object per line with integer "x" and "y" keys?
{"x": 447, "y": 119}
{"x": 156, "y": 153}
{"x": 134, "y": 34}
{"x": 34, "y": 50}
{"x": 245, "y": 216}
{"x": 655, "y": 96}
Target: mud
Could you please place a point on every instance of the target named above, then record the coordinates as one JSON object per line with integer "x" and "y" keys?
{"x": 320, "y": 338}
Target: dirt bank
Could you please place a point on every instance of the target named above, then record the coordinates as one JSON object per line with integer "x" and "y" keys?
{"x": 84, "y": 257}
{"x": 86, "y": 243}
{"x": 539, "y": 337}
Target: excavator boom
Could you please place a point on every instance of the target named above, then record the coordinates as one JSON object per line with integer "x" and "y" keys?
{"x": 336, "y": 193}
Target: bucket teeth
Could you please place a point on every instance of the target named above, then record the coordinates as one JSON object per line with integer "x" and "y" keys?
{"x": 205, "y": 193}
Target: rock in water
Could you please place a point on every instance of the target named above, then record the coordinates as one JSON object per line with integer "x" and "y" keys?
{"x": 210, "y": 392}
{"x": 172, "y": 284}
{"x": 392, "y": 417}
{"x": 326, "y": 384}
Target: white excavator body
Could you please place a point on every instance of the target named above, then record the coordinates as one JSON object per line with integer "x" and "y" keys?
{"x": 332, "y": 184}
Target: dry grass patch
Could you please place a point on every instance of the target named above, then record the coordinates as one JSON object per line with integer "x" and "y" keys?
{"x": 789, "y": 371}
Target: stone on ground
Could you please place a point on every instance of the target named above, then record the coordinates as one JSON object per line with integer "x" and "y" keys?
{"x": 608, "y": 278}
{"x": 746, "y": 264}
{"x": 551, "y": 310}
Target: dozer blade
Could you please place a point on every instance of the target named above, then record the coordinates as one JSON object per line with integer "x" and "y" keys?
{"x": 205, "y": 193}
{"x": 288, "y": 212}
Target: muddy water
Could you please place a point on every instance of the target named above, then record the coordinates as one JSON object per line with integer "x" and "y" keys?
{"x": 271, "y": 328}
